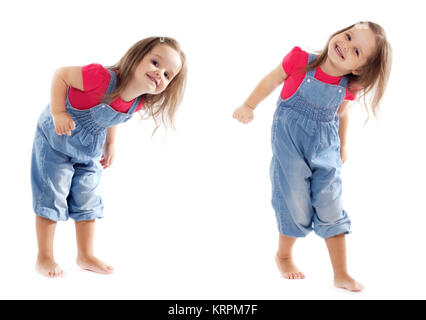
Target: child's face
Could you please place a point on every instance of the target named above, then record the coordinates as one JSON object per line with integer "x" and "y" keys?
{"x": 349, "y": 50}
{"x": 157, "y": 69}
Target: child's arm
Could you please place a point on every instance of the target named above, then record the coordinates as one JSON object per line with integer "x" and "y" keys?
{"x": 109, "y": 149}
{"x": 268, "y": 84}
{"x": 343, "y": 113}
{"x": 62, "y": 79}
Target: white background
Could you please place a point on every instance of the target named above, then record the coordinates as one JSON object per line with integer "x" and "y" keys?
{"x": 187, "y": 213}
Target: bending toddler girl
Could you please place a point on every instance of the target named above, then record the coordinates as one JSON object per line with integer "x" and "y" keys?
{"x": 75, "y": 138}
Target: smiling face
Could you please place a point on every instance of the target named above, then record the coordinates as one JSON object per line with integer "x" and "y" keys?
{"x": 157, "y": 69}
{"x": 349, "y": 50}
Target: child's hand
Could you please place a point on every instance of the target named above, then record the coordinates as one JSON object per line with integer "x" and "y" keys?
{"x": 243, "y": 114}
{"x": 108, "y": 153}
{"x": 343, "y": 154}
{"x": 63, "y": 122}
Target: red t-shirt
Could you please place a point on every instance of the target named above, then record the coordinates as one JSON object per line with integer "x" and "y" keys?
{"x": 95, "y": 84}
{"x": 294, "y": 61}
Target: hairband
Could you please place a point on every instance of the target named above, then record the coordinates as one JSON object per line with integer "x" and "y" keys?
{"x": 362, "y": 25}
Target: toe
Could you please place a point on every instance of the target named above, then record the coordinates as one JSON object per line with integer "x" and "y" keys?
{"x": 358, "y": 286}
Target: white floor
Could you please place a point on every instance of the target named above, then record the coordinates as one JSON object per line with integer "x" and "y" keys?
{"x": 216, "y": 268}
{"x": 211, "y": 242}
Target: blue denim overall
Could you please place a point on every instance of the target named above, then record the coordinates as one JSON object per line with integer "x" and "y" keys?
{"x": 306, "y": 166}
{"x": 66, "y": 170}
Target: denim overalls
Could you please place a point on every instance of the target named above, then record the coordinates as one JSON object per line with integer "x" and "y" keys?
{"x": 66, "y": 170}
{"x": 306, "y": 166}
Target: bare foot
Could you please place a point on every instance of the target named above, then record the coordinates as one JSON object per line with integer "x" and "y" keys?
{"x": 92, "y": 263}
{"x": 288, "y": 269}
{"x": 345, "y": 281}
{"x": 49, "y": 268}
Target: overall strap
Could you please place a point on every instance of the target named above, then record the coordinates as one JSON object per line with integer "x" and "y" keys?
{"x": 135, "y": 104}
{"x": 111, "y": 86}
{"x": 112, "y": 82}
{"x": 344, "y": 82}
{"x": 312, "y": 57}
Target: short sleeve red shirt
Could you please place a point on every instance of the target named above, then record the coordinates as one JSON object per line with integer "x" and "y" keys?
{"x": 95, "y": 84}
{"x": 293, "y": 62}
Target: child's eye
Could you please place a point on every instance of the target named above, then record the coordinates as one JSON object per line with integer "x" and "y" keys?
{"x": 167, "y": 75}
{"x": 154, "y": 62}
{"x": 348, "y": 36}
{"x": 357, "y": 52}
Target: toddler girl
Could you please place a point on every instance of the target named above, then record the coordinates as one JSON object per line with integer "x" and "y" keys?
{"x": 309, "y": 137}
{"x": 75, "y": 138}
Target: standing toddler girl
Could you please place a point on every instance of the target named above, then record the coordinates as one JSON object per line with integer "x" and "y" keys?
{"x": 309, "y": 137}
{"x": 76, "y": 133}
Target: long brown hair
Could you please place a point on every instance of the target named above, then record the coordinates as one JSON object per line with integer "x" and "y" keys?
{"x": 161, "y": 107}
{"x": 374, "y": 74}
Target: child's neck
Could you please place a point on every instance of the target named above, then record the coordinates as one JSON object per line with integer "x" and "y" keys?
{"x": 331, "y": 69}
{"x": 131, "y": 91}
